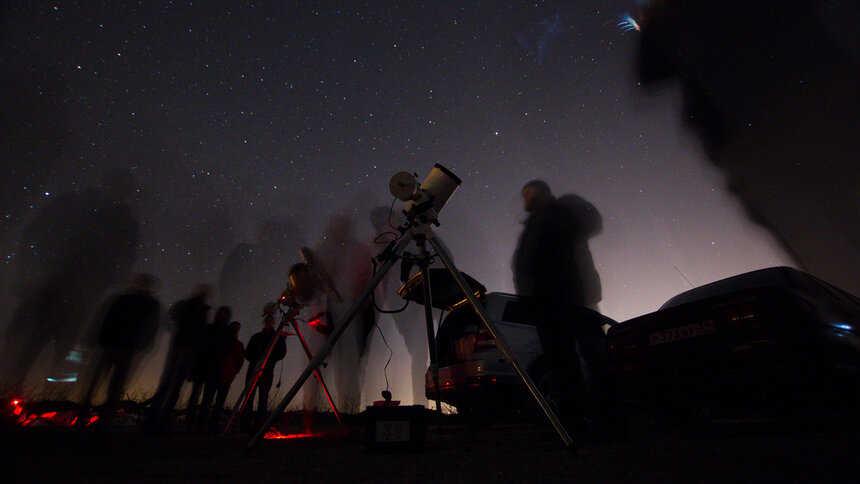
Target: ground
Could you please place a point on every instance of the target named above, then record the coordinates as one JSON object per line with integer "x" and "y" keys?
{"x": 718, "y": 451}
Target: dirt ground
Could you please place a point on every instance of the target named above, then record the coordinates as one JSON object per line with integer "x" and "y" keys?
{"x": 718, "y": 451}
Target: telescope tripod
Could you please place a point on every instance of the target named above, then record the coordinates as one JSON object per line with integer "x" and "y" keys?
{"x": 420, "y": 232}
{"x": 288, "y": 316}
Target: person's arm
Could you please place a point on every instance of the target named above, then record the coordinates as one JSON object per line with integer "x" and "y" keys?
{"x": 280, "y": 350}
{"x": 251, "y": 351}
{"x": 240, "y": 361}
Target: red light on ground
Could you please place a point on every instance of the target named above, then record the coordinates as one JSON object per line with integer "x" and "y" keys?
{"x": 274, "y": 434}
{"x": 62, "y": 419}
{"x": 16, "y": 402}
{"x": 29, "y": 420}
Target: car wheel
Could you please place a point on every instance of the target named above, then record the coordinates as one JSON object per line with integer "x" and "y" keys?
{"x": 548, "y": 383}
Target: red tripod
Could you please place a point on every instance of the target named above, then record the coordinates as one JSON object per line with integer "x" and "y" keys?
{"x": 288, "y": 316}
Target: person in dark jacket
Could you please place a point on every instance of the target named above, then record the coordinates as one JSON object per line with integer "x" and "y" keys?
{"x": 254, "y": 352}
{"x": 204, "y": 375}
{"x": 127, "y": 330}
{"x": 554, "y": 268}
{"x": 189, "y": 319}
{"x": 230, "y": 365}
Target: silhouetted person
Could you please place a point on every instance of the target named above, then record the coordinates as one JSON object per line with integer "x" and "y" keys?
{"x": 553, "y": 267}
{"x": 314, "y": 331}
{"x": 189, "y": 320}
{"x": 252, "y": 272}
{"x": 73, "y": 250}
{"x": 410, "y": 321}
{"x": 127, "y": 330}
{"x": 773, "y": 97}
{"x": 230, "y": 365}
{"x": 254, "y": 352}
{"x": 347, "y": 261}
{"x": 205, "y": 375}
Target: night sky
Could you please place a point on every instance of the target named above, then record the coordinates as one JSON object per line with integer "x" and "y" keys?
{"x": 229, "y": 114}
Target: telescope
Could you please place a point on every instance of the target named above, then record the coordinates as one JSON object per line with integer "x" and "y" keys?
{"x": 427, "y": 199}
{"x": 425, "y": 202}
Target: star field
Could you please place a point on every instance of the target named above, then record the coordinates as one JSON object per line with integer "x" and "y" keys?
{"x": 231, "y": 113}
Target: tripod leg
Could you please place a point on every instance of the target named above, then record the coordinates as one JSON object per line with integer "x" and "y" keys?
{"x": 323, "y": 353}
{"x": 501, "y": 343}
{"x": 242, "y": 402}
{"x": 428, "y": 318}
{"x": 317, "y": 373}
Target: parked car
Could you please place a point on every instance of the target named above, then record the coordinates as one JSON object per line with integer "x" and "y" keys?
{"x": 474, "y": 376}
{"x": 772, "y": 338}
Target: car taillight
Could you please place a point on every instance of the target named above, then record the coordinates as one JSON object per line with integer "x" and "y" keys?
{"x": 484, "y": 340}
{"x": 624, "y": 351}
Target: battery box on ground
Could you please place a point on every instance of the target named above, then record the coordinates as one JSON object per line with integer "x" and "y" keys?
{"x": 391, "y": 428}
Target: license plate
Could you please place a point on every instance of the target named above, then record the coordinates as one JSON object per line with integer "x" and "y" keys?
{"x": 682, "y": 332}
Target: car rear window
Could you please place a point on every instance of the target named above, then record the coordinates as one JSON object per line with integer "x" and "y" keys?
{"x": 520, "y": 312}
{"x": 772, "y": 277}
{"x": 830, "y": 290}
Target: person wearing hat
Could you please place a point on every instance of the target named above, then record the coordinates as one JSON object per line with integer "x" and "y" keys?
{"x": 254, "y": 351}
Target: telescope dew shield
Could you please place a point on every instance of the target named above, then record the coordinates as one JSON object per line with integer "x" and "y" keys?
{"x": 301, "y": 283}
{"x": 436, "y": 189}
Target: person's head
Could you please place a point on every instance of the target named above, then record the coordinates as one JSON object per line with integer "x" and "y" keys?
{"x": 269, "y": 322}
{"x": 202, "y": 291}
{"x": 535, "y": 194}
{"x": 235, "y": 326}
{"x": 269, "y": 309}
{"x": 339, "y": 228}
{"x": 145, "y": 282}
{"x": 118, "y": 184}
{"x": 588, "y": 220}
{"x": 223, "y": 314}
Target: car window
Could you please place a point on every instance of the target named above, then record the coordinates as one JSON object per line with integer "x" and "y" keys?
{"x": 834, "y": 291}
{"x": 807, "y": 284}
{"x": 772, "y": 277}
{"x": 521, "y": 312}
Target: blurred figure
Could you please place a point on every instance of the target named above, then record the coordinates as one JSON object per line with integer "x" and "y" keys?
{"x": 257, "y": 347}
{"x": 205, "y": 375}
{"x": 314, "y": 332}
{"x": 230, "y": 366}
{"x": 347, "y": 261}
{"x": 772, "y": 94}
{"x": 553, "y": 266}
{"x": 73, "y": 250}
{"x": 553, "y": 253}
{"x": 410, "y": 321}
{"x": 252, "y": 273}
{"x": 189, "y": 320}
{"x": 127, "y": 330}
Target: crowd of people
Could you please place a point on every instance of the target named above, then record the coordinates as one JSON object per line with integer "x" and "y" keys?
{"x": 552, "y": 263}
{"x": 209, "y": 355}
